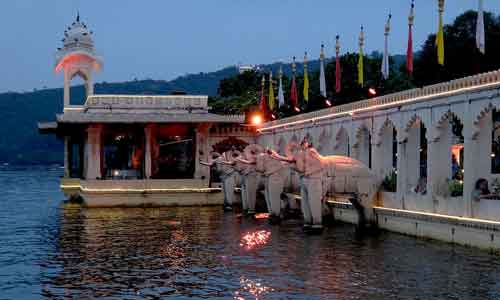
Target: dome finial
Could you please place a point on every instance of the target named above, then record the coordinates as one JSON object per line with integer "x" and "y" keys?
{"x": 78, "y": 16}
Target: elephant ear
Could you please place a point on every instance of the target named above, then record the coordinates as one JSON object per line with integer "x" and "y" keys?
{"x": 289, "y": 149}
{"x": 212, "y": 157}
{"x": 251, "y": 151}
{"x": 232, "y": 155}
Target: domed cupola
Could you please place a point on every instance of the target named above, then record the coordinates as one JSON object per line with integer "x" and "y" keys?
{"x": 78, "y": 35}
{"x": 77, "y": 57}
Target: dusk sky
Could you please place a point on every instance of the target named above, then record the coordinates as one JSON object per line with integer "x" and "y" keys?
{"x": 165, "y": 39}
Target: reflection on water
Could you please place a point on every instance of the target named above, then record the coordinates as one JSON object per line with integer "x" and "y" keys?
{"x": 253, "y": 239}
{"x": 58, "y": 251}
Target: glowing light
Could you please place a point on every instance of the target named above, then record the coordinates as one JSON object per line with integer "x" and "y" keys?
{"x": 296, "y": 109}
{"x": 256, "y": 120}
{"x": 328, "y": 103}
{"x": 273, "y": 117}
{"x": 372, "y": 92}
{"x": 261, "y": 216}
{"x": 254, "y": 239}
{"x": 116, "y": 173}
{"x": 493, "y": 155}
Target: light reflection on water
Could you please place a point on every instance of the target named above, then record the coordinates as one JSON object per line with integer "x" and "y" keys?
{"x": 65, "y": 252}
{"x": 253, "y": 239}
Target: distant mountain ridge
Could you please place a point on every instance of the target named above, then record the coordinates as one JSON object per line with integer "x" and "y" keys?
{"x": 20, "y": 142}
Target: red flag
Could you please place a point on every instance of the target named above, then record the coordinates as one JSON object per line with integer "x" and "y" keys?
{"x": 409, "y": 51}
{"x": 263, "y": 106}
{"x": 263, "y": 102}
{"x": 338, "y": 72}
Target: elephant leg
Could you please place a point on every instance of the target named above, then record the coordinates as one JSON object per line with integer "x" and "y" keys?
{"x": 267, "y": 193}
{"x": 314, "y": 197}
{"x": 276, "y": 188}
{"x": 305, "y": 205}
{"x": 228, "y": 186}
{"x": 244, "y": 194}
{"x": 355, "y": 201}
{"x": 367, "y": 192}
{"x": 251, "y": 192}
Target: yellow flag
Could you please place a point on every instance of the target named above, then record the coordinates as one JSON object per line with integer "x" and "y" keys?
{"x": 440, "y": 34}
{"x": 306, "y": 80}
{"x": 271, "y": 92}
{"x": 440, "y": 41}
{"x": 360, "y": 67}
{"x": 361, "y": 78}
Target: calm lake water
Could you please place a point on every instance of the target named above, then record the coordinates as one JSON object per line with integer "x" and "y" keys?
{"x": 53, "y": 251}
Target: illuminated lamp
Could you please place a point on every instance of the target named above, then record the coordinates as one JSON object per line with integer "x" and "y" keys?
{"x": 372, "y": 92}
{"x": 296, "y": 109}
{"x": 328, "y": 103}
{"x": 256, "y": 120}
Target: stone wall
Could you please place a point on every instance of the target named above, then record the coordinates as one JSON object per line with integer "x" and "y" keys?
{"x": 424, "y": 120}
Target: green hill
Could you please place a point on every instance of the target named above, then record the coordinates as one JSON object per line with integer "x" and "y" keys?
{"x": 20, "y": 142}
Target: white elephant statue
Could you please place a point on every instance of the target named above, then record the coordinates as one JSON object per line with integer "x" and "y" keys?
{"x": 245, "y": 166}
{"x": 224, "y": 165}
{"x": 275, "y": 175}
{"x": 343, "y": 174}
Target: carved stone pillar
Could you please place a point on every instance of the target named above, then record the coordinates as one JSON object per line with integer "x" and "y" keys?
{"x": 148, "y": 165}
{"x": 93, "y": 152}
{"x": 477, "y": 159}
{"x": 401, "y": 187}
{"x": 202, "y": 152}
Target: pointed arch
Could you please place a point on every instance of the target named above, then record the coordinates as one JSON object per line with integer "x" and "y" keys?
{"x": 363, "y": 145}
{"x": 325, "y": 143}
{"x": 342, "y": 144}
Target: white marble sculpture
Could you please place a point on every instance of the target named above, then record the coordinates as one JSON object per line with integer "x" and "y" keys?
{"x": 245, "y": 166}
{"x": 274, "y": 174}
{"x": 224, "y": 165}
{"x": 344, "y": 175}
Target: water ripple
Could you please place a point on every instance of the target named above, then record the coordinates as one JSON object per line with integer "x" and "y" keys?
{"x": 56, "y": 251}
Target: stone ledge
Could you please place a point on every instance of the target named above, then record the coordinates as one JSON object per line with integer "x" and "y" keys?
{"x": 443, "y": 219}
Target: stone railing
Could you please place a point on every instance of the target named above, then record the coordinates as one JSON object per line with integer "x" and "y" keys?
{"x": 146, "y": 102}
{"x": 404, "y": 97}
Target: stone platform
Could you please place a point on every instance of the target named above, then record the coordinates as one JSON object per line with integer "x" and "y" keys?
{"x": 142, "y": 193}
